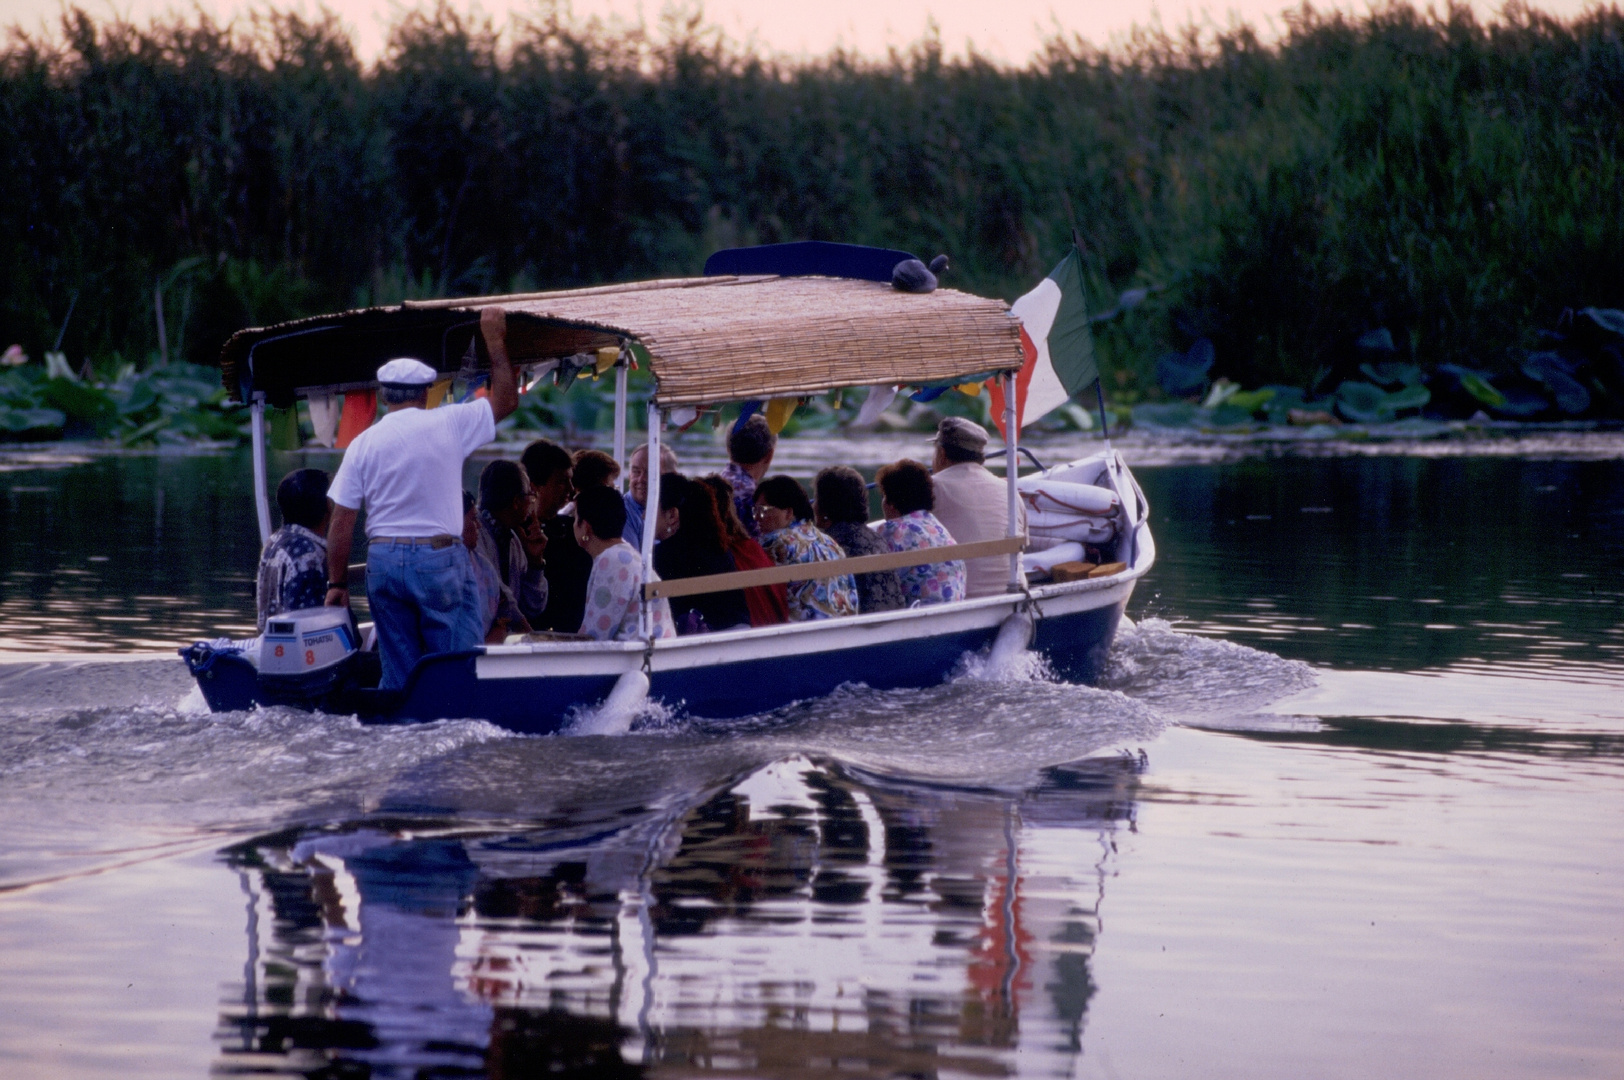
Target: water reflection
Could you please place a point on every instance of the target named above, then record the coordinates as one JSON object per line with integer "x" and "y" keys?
{"x": 801, "y": 916}
{"x": 1397, "y": 563}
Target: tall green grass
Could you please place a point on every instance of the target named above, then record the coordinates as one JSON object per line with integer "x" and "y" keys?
{"x": 1455, "y": 181}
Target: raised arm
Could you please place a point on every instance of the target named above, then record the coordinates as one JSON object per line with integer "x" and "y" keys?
{"x": 504, "y": 382}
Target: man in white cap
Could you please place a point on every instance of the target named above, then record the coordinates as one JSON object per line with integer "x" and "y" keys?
{"x": 406, "y": 471}
{"x": 972, "y": 503}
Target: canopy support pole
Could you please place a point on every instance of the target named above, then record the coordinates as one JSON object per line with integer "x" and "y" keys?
{"x": 651, "y": 512}
{"x": 1012, "y": 471}
{"x": 262, "y": 502}
{"x": 620, "y": 423}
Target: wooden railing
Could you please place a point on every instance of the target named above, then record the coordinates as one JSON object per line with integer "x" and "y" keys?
{"x": 813, "y": 571}
{"x": 828, "y": 568}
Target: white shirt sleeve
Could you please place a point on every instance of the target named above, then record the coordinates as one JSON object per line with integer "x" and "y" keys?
{"x": 475, "y": 423}
{"x": 349, "y": 486}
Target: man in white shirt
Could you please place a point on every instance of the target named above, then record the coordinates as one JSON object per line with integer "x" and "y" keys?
{"x": 406, "y": 471}
{"x": 972, "y": 503}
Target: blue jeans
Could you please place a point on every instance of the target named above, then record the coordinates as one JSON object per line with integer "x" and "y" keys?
{"x": 424, "y": 600}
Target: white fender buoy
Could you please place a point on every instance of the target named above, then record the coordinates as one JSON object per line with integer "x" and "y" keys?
{"x": 1003, "y": 660}
{"x": 615, "y": 715}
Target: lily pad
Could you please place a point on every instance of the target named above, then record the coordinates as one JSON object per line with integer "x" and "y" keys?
{"x": 1392, "y": 373}
{"x": 1476, "y": 384}
{"x": 1362, "y": 403}
{"x": 1520, "y": 403}
{"x": 18, "y": 421}
{"x": 1411, "y": 397}
{"x": 1608, "y": 320}
{"x": 1557, "y": 373}
{"x": 136, "y": 397}
{"x": 1228, "y": 415}
{"x": 82, "y": 403}
{"x": 1170, "y": 414}
{"x": 1251, "y": 400}
{"x": 1377, "y": 340}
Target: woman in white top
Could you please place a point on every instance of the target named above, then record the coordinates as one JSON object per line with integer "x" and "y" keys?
{"x": 614, "y": 592}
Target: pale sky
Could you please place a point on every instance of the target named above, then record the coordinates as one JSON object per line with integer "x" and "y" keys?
{"x": 1005, "y": 30}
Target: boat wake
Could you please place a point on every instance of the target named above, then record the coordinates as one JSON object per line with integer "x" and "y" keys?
{"x": 78, "y": 739}
{"x": 1191, "y": 679}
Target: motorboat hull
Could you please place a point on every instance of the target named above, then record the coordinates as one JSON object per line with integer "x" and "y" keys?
{"x": 540, "y": 688}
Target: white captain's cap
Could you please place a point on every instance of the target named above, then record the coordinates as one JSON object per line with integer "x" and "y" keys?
{"x": 405, "y": 373}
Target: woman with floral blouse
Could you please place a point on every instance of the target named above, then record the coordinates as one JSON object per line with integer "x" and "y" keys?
{"x": 787, "y": 534}
{"x": 907, "y": 498}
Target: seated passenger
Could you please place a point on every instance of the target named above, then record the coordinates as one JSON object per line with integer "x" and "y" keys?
{"x": 690, "y": 545}
{"x": 841, "y": 510}
{"x": 293, "y": 566}
{"x": 494, "y": 630}
{"x": 788, "y": 535}
{"x": 768, "y": 604}
{"x": 594, "y": 468}
{"x": 636, "y": 497}
{"x": 511, "y": 540}
{"x": 614, "y": 592}
{"x": 972, "y": 503}
{"x": 750, "y": 447}
{"x": 907, "y": 497}
{"x": 551, "y": 469}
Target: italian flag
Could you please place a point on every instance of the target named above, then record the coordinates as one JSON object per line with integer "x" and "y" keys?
{"x": 1058, "y": 345}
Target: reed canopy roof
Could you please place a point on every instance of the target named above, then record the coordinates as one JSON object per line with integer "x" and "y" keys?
{"x": 708, "y": 340}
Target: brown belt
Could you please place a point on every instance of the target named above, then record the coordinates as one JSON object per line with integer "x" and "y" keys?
{"x": 444, "y": 540}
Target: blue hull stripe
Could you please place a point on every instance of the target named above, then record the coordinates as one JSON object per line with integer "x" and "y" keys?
{"x": 447, "y": 686}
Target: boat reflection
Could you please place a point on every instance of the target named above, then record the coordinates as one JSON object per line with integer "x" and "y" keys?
{"x": 799, "y": 918}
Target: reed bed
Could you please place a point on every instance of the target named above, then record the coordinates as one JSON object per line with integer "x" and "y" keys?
{"x": 1454, "y": 181}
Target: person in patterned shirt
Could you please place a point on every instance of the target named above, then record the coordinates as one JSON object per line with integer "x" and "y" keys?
{"x": 907, "y": 497}
{"x": 787, "y": 534}
{"x": 750, "y": 447}
{"x": 614, "y": 591}
{"x": 840, "y": 508}
{"x": 293, "y": 566}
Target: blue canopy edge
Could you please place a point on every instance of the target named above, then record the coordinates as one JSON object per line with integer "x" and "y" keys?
{"x": 805, "y": 258}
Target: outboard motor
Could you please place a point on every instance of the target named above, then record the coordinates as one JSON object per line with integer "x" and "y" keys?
{"x": 306, "y": 654}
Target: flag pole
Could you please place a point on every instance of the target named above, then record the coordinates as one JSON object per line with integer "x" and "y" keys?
{"x": 1099, "y": 377}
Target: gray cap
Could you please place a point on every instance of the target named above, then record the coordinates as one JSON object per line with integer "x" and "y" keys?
{"x": 956, "y": 431}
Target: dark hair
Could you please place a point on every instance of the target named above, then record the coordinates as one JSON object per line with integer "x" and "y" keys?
{"x": 841, "y": 494}
{"x": 749, "y": 443}
{"x": 727, "y": 515}
{"x": 701, "y": 525}
{"x": 544, "y": 460}
{"x": 603, "y": 510}
{"x": 467, "y": 500}
{"x": 594, "y": 468}
{"x": 957, "y": 455}
{"x": 500, "y": 483}
{"x": 785, "y": 493}
{"x": 673, "y": 490}
{"x": 907, "y": 486}
{"x": 302, "y": 498}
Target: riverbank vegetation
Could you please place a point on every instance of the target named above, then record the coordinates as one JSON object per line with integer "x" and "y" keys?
{"x": 1402, "y": 188}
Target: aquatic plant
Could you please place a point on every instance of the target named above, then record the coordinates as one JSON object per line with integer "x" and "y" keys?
{"x": 1450, "y": 183}
{"x": 179, "y": 402}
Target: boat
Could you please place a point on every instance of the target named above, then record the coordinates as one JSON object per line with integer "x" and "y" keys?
{"x": 762, "y": 324}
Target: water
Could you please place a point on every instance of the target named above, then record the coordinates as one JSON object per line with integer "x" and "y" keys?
{"x": 1348, "y": 804}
